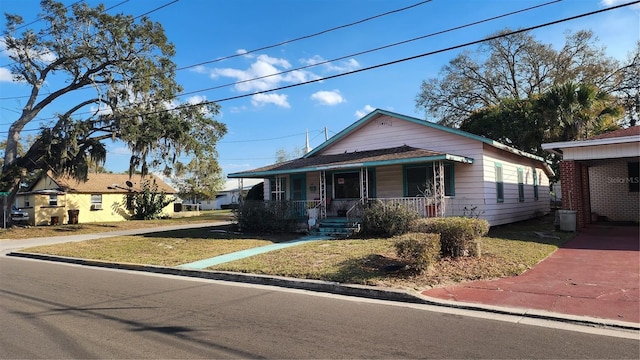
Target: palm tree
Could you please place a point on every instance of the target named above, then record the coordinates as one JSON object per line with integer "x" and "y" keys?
{"x": 579, "y": 111}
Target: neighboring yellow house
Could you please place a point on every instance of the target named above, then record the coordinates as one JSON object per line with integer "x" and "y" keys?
{"x": 102, "y": 198}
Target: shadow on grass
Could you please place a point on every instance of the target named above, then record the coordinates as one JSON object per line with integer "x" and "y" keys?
{"x": 365, "y": 270}
{"x": 540, "y": 230}
{"x": 220, "y": 232}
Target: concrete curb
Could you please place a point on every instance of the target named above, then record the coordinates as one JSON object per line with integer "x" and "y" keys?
{"x": 363, "y": 291}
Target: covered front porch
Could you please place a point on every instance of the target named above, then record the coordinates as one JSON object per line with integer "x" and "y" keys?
{"x": 341, "y": 185}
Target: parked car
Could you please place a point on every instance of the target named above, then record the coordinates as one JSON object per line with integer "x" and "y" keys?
{"x": 19, "y": 215}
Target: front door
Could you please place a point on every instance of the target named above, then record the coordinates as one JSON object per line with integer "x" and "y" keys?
{"x": 298, "y": 193}
{"x": 298, "y": 184}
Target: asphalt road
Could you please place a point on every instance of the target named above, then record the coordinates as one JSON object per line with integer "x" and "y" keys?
{"x": 53, "y": 310}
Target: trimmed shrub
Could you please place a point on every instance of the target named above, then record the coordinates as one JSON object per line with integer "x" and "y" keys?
{"x": 418, "y": 250}
{"x": 383, "y": 220}
{"x": 459, "y": 236}
{"x": 267, "y": 217}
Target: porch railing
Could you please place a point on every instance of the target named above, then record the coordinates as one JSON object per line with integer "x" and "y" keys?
{"x": 299, "y": 207}
{"x": 423, "y": 206}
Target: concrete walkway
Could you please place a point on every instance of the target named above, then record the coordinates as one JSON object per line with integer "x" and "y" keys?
{"x": 203, "y": 264}
{"x": 597, "y": 274}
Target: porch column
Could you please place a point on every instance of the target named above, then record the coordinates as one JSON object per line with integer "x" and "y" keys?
{"x": 323, "y": 194}
{"x": 438, "y": 187}
{"x": 364, "y": 185}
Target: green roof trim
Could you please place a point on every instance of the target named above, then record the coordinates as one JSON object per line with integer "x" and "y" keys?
{"x": 261, "y": 174}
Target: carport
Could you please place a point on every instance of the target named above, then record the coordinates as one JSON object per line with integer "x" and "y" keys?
{"x": 600, "y": 179}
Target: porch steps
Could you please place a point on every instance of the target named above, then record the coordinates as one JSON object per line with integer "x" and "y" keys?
{"x": 337, "y": 227}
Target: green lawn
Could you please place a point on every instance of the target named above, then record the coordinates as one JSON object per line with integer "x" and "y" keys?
{"x": 506, "y": 251}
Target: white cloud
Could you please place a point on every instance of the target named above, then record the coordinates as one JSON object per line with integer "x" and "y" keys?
{"x": 45, "y": 56}
{"x": 266, "y": 72}
{"x": 328, "y": 98}
{"x": 199, "y": 69}
{"x": 364, "y": 111}
{"x": 196, "y": 99}
{"x": 5, "y": 75}
{"x": 102, "y": 109}
{"x": 342, "y": 66}
{"x": 276, "y": 99}
{"x": 609, "y": 3}
{"x": 244, "y": 53}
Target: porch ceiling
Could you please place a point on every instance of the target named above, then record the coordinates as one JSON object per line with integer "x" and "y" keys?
{"x": 398, "y": 155}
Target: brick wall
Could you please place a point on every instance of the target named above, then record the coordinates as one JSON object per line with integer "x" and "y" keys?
{"x": 610, "y": 194}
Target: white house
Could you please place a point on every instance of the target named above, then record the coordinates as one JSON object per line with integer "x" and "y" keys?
{"x": 227, "y": 197}
{"x": 433, "y": 169}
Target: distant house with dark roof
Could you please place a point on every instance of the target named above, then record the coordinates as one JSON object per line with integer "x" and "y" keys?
{"x": 601, "y": 176}
{"x": 432, "y": 169}
{"x": 102, "y": 198}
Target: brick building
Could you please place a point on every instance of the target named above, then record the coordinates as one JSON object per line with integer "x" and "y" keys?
{"x": 600, "y": 179}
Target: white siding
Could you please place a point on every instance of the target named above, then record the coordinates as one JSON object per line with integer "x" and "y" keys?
{"x": 387, "y": 132}
{"x": 389, "y": 184}
{"x": 610, "y": 151}
{"x": 468, "y": 195}
{"x": 475, "y": 187}
{"x": 313, "y": 178}
{"x": 389, "y": 181}
{"x": 512, "y": 210}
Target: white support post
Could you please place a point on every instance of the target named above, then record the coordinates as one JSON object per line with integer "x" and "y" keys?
{"x": 323, "y": 195}
{"x": 364, "y": 185}
{"x": 278, "y": 189}
{"x": 438, "y": 185}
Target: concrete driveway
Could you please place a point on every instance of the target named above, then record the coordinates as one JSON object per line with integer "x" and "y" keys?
{"x": 597, "y": 274}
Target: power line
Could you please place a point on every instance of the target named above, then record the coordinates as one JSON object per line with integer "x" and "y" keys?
{"x": 306, "y": 36}
{"x": 372, "y": 50}
{"x": 400, "y": 60}
{"x": 272, "y": 45}
{"x": 364, "y": 52}
{"x": 255, "y": 140}
{"x": 424, "y": 54}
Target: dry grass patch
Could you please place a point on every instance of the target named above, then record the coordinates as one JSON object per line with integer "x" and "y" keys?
{"x": 168, "y": 248}
{"x": 506, "y": 251}
{"x": 148, "y": 251}
{"x": 345, "y": 261}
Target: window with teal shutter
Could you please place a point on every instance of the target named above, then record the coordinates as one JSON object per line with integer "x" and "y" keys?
{"x": 520, "y": 185}
{"x": 499, "y": 183}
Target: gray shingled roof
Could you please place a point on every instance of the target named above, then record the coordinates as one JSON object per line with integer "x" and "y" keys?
{"x": 348, "y": 158}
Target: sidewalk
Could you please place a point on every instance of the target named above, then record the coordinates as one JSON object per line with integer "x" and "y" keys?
{"x": 597, "y": 274}
{"x": 593, "y": 279}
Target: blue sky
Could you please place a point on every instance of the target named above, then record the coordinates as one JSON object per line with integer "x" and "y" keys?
{"x": 258, "y": 126}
